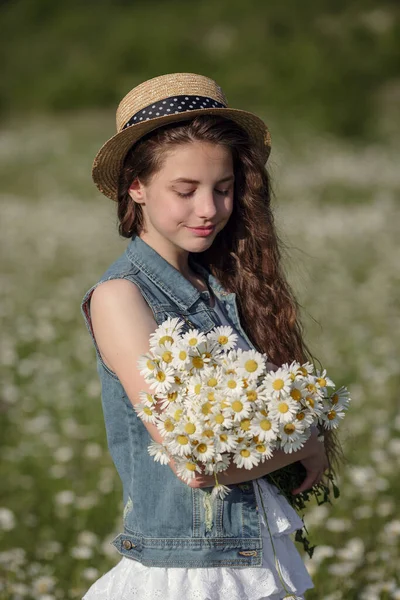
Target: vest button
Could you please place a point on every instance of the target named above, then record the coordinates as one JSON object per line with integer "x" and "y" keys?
{"x": 127, "y": 544}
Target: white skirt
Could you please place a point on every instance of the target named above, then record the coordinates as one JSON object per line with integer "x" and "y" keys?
{"x": 130, "y": 580}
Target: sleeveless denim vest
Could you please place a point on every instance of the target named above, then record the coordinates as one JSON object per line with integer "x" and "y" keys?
{"x": 166, "y": 523}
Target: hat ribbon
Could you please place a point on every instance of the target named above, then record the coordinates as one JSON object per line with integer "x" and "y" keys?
{"x": 172, "y": 105}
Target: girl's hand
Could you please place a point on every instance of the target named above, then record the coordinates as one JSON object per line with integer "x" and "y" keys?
{"x": 315, "y": 463}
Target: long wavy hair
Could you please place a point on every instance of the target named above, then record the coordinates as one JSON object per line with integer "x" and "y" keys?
{"x": 246, "y": 256}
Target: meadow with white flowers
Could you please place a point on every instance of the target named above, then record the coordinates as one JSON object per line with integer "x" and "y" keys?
{"x": 337, "y": 211}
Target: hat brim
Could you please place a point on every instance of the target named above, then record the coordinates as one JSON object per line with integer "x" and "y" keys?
{"x": 109, "y": 159}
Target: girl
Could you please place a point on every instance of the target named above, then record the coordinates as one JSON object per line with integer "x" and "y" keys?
{"x": 193, "y": 198}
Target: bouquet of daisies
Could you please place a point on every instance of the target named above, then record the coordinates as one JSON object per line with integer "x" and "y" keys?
{"x": 214, "y": 403}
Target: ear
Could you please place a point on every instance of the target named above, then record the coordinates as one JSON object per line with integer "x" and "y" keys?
{"x": 136, "y": 191}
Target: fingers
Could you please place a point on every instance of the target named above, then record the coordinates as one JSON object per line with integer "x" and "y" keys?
{"x": 311, "y": 479}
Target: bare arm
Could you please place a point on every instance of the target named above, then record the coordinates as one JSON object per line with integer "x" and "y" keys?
{"x": 122, "y": 323}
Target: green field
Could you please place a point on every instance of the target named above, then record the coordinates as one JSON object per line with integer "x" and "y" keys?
{"x": 337, "y": 210}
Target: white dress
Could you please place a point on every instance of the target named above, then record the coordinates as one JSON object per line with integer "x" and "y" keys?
{"x": 130, "y": 580}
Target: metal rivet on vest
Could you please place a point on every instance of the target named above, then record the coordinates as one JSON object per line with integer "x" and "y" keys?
{"x": 248, "y": 553}
{"x": 127, "y": 544}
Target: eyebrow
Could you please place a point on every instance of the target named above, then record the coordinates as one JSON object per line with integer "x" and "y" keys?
{"x": 185, "y": 180}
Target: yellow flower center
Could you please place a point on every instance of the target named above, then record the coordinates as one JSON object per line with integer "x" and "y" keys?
{"x": 303, "y": 371}
{"x": 190, "y": 466}
{"x": 261, "y": 448}
{"x": 150, "y": 365}
{"x": 296, "y": 394}
{"x": 278, "y": 384}
{"x": 202, "y": 448}
{"x": 168, "y": 425}
{"x": 331, "y": 415}
{"x": 208, "y": 433}
{"x": 197, "y": 388}
{"x": 206, "y": 408}
{"x": 182, "y": 355}
{"x": 165, "y": 338}
{"x": 311, "y": 387}
{"x": 167, "y": 356}
{"x": 310, "y": 401}
{"x": 223, "y": 437}
{"x": 211, "y": 396}
{"x": 177, "y": 380}
{"x": 197, "y": 362}
{"x": 251, "y": 395}
{"x": 289, "y": 428}
{"x": 222, "y": 339}
{"x": 160, "y": 376}
{"x": 335, "y": 398}
{"x": 182, "y": 439}
{"x": 212, "y": 382}
{"x": 237, "y": 406}
{"x": 178, "y": 414}
{"x": 321, "y": 381}
{"x": 251, "y": 366}
{"x": 172, "y": 396}
{"x": 190, "y": 428}
{"x": 147, "y": 410}
{"x": 265, "y": 424}
{"x": 193, "y": 342}
{"x": 232, "y": 384}
{"x": 219, "y": 419}
{"x": 300, "y": 416}
{"x": 292, "y": 376}
{"x": 264, "y": 412}
{"x": 244, "y": 452}
{"x": 223, "y": 404}
{"x": 283, "y": 407}
{"x": 245, "y": 424}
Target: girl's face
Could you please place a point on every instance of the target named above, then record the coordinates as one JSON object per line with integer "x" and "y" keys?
{"x": 194, "y": 188}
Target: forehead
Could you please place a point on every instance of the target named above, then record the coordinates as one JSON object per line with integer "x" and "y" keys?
{"x": 187, "y": 160}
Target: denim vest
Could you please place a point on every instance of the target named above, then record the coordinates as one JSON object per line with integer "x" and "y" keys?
{"x": 166, "y": 523}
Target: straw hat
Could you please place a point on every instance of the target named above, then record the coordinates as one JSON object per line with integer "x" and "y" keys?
{"x": 161, "y": 100}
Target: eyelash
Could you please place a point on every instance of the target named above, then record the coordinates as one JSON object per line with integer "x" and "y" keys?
{"x": 222, "y": 192}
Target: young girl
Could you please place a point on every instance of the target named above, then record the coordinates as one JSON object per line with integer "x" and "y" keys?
{"x": 193, "y": 198}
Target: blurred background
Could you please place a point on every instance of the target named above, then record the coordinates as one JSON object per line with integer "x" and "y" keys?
{"x": 325, "y": 78}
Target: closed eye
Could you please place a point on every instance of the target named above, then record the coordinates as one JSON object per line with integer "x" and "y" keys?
{"x": 188, "y": 194}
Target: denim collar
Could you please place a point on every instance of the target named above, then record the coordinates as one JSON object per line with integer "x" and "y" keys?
{"x": 167, "y": 277}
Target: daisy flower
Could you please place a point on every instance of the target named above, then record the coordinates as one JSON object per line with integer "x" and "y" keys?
{"x": 277, "y": 383}
{"x": 293, "y": 437}
{"x": 340, "y": 399}
{"x": 256, "y": 394}
{"x": 159, "y": 452}
{"x": 264, "y": 450}
{"x": 146, "y": 413}
{"x": 193, "y": 339}
{"x": 305, "y": 417}
{"x": 220, "y": 491}
{"x": 264, "y": 427}
{"x": 251, "y": 364}
{"x": 204, "y": 451}
{"x": 332, "y": 418}
{"x": 283, "y": 410}
{"x": 164, "y": 354}
{"x": 238, "y": 408}
{"x": 147, "y": 363}
{"x": 168, "y": 399}
{"x": 232, "y": 384}
{"x": 181, "y": 356}
{"x": 225, "y": 442}
{"x": 187, "y": 468}
{"x": 292, "y": 368}
{"x": 180, "y": 445}
{"x": 162, "y": 379}
{"x": 168, "y": 331}
{"x": 246, "y": 456}
{"x": 322, "y": 380}
{"x": 224, "y": 337}
{"x": 166, "y": 425}
{"x": 298, "y": 390}
{"x": 305, "y": 369}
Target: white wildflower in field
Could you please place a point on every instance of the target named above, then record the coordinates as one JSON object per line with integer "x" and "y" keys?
{"x": 7, "y": 519}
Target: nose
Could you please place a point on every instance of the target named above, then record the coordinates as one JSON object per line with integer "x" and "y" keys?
{"x": 206, "y": 205}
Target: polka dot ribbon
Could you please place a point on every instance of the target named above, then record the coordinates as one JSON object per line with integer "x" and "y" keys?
{"x": 172, "y": 105}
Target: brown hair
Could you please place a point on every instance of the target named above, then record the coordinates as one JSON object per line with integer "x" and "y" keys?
{"x": 246, "y": 255}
